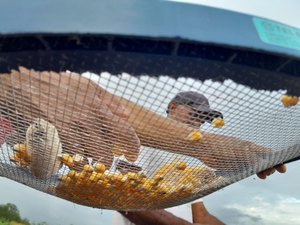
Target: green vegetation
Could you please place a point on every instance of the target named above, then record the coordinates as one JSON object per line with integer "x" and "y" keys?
{"x": 4, "y": 222}
{"x": 10, "y": 215}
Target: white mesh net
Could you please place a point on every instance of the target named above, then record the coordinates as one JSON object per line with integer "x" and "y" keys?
{"x": 105, "y": 140}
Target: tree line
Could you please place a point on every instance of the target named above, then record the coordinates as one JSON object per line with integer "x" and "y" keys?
{"x": 10, "y": 215}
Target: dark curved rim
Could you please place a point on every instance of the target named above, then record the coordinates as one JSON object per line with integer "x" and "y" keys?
{"x": 153, "y": 56}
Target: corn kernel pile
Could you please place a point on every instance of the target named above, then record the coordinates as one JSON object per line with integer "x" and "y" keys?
{"x": 97, "y": 187}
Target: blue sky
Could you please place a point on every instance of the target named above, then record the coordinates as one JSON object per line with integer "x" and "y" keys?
{"x": 251, "y": 201}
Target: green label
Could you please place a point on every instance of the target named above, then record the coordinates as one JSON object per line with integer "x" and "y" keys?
{"x": 277, "y": 34}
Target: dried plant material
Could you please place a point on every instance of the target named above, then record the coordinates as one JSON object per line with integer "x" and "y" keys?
{"x": 43, "y": 145}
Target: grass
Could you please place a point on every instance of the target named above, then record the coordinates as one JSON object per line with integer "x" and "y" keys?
{"x": 4, "y": 222}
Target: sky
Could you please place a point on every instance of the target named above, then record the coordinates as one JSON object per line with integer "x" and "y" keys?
{"x": 274, "y": 201}
{"x": 286, "y": 12}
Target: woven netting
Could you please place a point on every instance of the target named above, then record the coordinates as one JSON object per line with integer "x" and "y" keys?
{"x": 105, "y": 140}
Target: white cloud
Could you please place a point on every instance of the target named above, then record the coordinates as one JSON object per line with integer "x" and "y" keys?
{"x": 254, "y": 201}
{"x": 275, "y": 211}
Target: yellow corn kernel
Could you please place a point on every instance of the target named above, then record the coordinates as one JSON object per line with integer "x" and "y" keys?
{"x": 22, "y": 152}
{"x": 194, "y": 136}
{"x": 87, "y": 168}
{"x": 63, "y": 178}
{"x": 106, "y": 185}
{"x": 72, "y": 174}
{"x": 103, "y": 183}
{"x": 181, "y": 165}
{"x": 80, "y": 182}
{"x": 94, "y": 177}
{"x": 77, "y": 176}
{"x": 294, "y": 100}
{"x": 142, "y": 180}
{"x": 146, "y": 186}
{"x": 23, "y": 163}
{"x": 89, "y": 183}
{"x": 289, "y": 101}
{"x": 100, "y": 183}
{"x": 132, "y": 183}
{"x": 154, "y": 183}
{"x": 66, "y": 181}
{"x": 118, "y": 178}
{"x": 285, "y": 100}
{"x": 165, "y": 169}
{"x": 18, "y": 161}
{"x": 110, "y": 176}
{"x": 125, "y": 179}
{"x": 100, "y": 176}
{"x": 218, "y": 122}
{"x": 164, "y": 189}
{"x": 132, "y": 176}
{"x": 142, "y": 175}
{"x": 20, "y": 147}
{"x": 99, "y": 167}
{"x": 83, "y": 175}
{"x": 158, "y": 178}
{"x": 67, "y": 160}
{"x": 15, "y": 158}
{"x": 186, "y": 188}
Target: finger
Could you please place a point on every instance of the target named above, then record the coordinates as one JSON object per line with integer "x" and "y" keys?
{"x": 262, "y": 175}
{"x": 281, "y": 168}
{"x": 270, "y": 171}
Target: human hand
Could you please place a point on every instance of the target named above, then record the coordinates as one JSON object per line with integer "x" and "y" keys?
{"x": 87, "y": 122}
{"x": 281, "y": 168}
